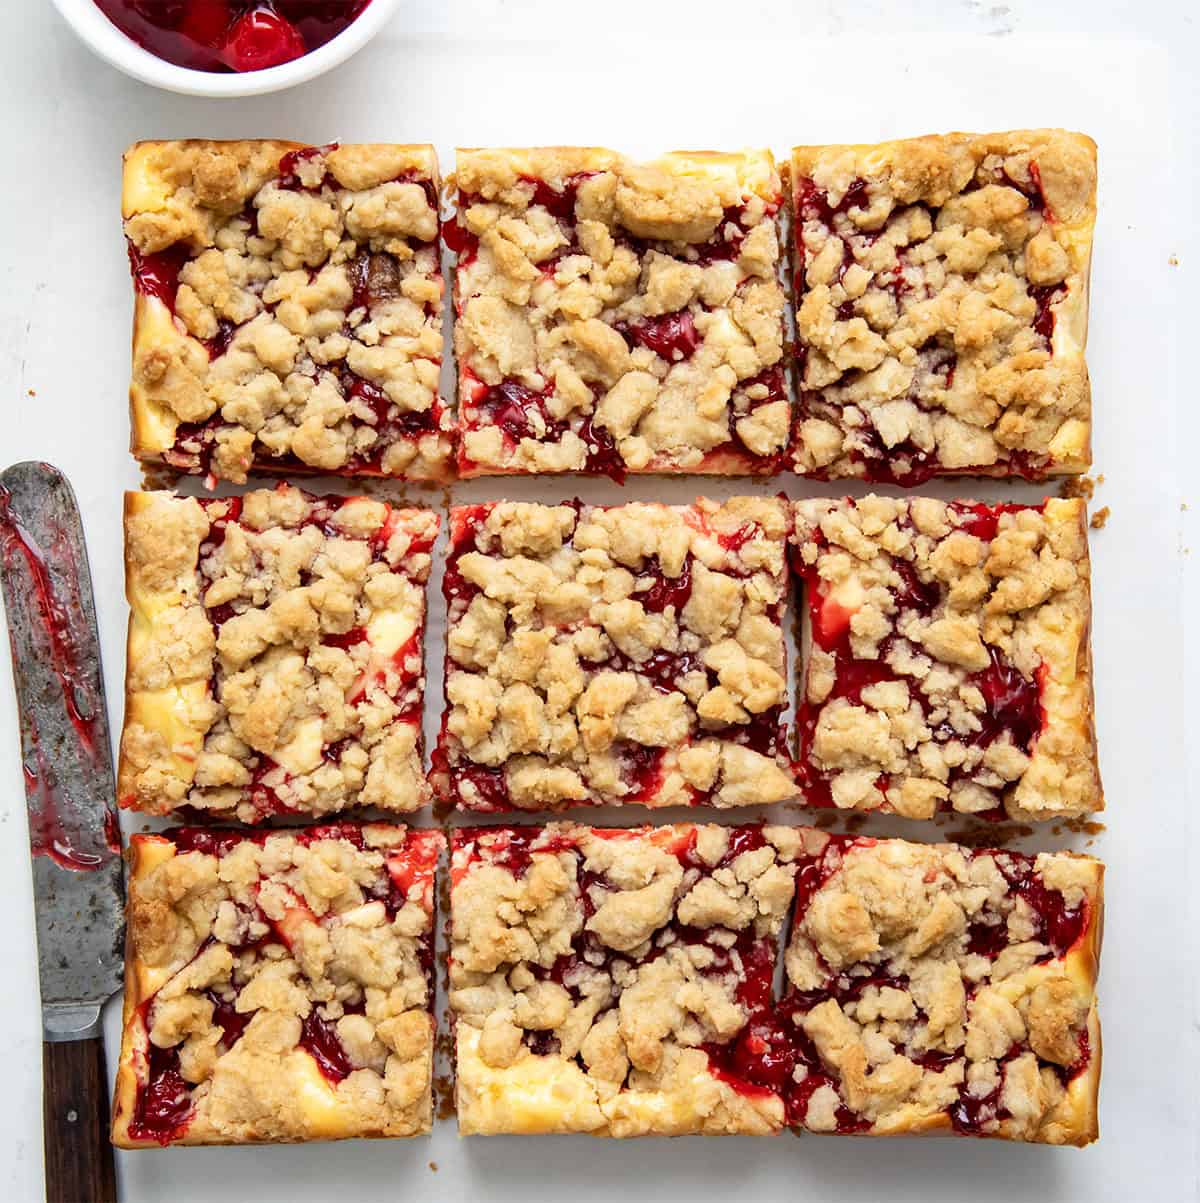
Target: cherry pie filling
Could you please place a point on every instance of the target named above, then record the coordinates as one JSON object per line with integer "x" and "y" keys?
{"x": 643, "y": 766}
{"x": 775, "y": 1055}
{"x": 164, "y": 1106}
{"x": 904, "y": 463}
{"x": 751, "y": 957}
{"x": 375, "y": 279}
{"x": 400, "y": 676}
{"x": 521, "y": 412}
{"x": 1013, "y": 701}
{"x": 231, "y": 35}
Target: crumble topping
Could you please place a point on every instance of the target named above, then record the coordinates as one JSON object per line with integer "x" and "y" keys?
{"x": 617, "y": 316}
{"x": 289, "y": 314}
{"x": 289, "y": 991}
{"x": 275, "y": 659}
{"x": 942, "y": 305}
{"x": 608, "y": 655}
{"x": 933, "y": 986}
{"x": 605, "y": 966}
{"x": 950, "y": 663}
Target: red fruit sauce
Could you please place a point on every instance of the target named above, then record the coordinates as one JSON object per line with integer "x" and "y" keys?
{"x": 673, "y": 336}
{"x": 163, "y": 1107}
{"x": 59, "y": 616}
{"x": 231, "y": 35}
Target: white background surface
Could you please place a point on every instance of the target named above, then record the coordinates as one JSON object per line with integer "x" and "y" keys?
{"x": 495, "y": 72}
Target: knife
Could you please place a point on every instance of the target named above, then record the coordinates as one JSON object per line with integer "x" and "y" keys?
{"x": 74, "y": 838}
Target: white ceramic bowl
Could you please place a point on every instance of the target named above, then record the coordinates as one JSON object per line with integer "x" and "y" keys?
{"x": 102, "y": 36}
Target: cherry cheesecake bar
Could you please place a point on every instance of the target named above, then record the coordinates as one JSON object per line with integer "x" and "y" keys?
{"x": 275, "y": 662}
{"x": 948, "y": 658}
{"x": 618, "y": 654}
{"x": 288, "y": 308}
{"x": 941, "y": 306}
{"x": 934, "y": 988}
{"x": 277, "y": 986}
{"x": 599, "y": 978}
{"x": 616, "y": 316}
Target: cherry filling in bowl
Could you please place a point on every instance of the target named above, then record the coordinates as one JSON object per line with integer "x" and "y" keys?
{"x": 231, "y": 35}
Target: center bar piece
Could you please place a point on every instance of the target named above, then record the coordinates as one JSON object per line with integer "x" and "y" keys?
{"x": 278, "y": 986}
{"x": 617, "y": 654}
{"x": 600, "y": 979}
{"x": 275, "y": 661}
{"x": 949, "y": 659}
{"x": 616, "y": 316}
{"x": 288, "y": 312}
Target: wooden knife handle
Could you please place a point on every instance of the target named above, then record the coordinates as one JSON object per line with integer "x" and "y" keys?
{"x": 79, "y": 1156}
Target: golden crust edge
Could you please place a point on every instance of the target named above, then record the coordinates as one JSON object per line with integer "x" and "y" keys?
{"x": 138, "y": 706}
{"x": 751, "y": 164}
{"x": 1073, "y": 510}
{"x": 127, "y": 1080}
{"x": 422, "y": 154}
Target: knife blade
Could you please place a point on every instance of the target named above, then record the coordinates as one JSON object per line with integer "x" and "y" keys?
{"x": 66, "y": 757}
{"x": 74, "y": 838}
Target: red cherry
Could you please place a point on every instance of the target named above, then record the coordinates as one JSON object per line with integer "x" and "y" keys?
{"x": 206, "y": 22}
{"x": 262, "y": 38}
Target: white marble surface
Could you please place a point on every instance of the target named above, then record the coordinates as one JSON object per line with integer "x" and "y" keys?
{"x": 643, "y": 76}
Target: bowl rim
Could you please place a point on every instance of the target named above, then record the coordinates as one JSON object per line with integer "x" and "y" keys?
{"x": 101, "y": 36}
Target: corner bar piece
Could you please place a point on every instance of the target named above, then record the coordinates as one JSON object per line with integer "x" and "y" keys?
{"x": 610, "y": 655}
{"x": 277, "y": 986}
{"x": 288, "y": 309}
{"x": 600, "y": 979}
{"x": 941, "y": 306}
{"x": 275, "y": 659}
{"x": 949, "y": 661}
{"x": 616, "y": 316}
{"x": 933, "y": 988}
